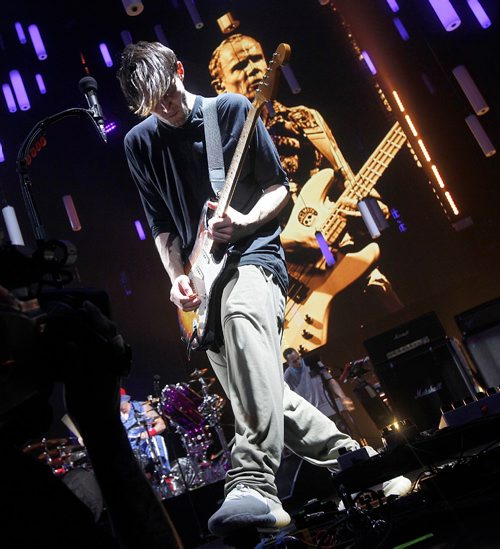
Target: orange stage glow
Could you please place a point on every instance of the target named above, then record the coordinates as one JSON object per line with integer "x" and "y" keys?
{"x": 438, "y": 177}
{"x": 398, "y": 101}
{"x": 410, "y": 125}
{"x": 424, "y": 150}
{"x": 451, "y": 202}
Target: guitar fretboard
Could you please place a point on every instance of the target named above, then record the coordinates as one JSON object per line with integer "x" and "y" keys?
{"x": 365, "y": 180}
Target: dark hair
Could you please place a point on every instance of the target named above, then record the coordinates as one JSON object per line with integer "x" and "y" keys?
{"x": 145, "y": 75}
{"x": 287, "y": 352}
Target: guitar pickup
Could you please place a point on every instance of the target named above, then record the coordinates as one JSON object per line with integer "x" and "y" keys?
{"x": 297, "y": 291}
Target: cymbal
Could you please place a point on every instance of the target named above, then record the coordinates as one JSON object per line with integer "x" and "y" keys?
{"x": 209, "y": 381}
{"x": 198, "y": 373}
{"x": 221, "y": 402}
{"x": 45, "y": 444}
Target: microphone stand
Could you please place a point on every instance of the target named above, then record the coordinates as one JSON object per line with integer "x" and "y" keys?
{"x": 22, "y": 164}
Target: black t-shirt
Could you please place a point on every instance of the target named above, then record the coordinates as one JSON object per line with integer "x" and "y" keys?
{"x": 169, "y": 166}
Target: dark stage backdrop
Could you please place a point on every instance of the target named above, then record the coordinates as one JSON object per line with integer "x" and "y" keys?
{"x": 426, "y": 261}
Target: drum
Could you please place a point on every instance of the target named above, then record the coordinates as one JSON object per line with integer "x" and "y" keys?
{"x": 60, "y": 456}
{"x": 180, "y": 404}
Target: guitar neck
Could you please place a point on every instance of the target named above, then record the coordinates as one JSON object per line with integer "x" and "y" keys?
{"x": 234, "y": 170}
{"x": 364, "y": 182}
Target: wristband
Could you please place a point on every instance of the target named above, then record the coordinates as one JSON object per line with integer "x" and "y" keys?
{"x": 152, "y": 432}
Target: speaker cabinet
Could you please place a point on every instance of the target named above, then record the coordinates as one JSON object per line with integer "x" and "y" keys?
{"x": 480, "y": 327}
{"x": 420, "y": 371}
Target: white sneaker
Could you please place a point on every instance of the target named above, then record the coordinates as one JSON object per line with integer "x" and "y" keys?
{"x": 245, "y": 507}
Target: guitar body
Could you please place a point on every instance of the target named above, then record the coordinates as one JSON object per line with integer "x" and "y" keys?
{"x": 306, "y": 321}
{"x": 309, "y": 213}
{"x": 313, "y": 285}
{"x": 204, "y": 269}
{"x": 208, "y": 261}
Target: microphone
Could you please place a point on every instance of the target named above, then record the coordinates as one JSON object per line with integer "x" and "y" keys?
{"x": 156, "y": 386}
{"x": 88, "y": 86}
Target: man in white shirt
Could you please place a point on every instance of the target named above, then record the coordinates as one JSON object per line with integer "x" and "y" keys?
{"x": 313, "y": 381}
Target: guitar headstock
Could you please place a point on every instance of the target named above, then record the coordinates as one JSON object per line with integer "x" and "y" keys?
{"x": 269, "y": 85}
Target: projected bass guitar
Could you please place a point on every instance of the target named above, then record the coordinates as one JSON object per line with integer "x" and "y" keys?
{"x": 312, "y": 287}
{"x": 206, "y": 262}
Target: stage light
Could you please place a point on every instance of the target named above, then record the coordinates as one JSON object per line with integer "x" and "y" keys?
{"x": 41, "y": 84}
{"x": 409, "y": 121}
{"x": 37, "y": 41}
{"x": 325, "y": 249}
{"x": 126, "y": 37}
{"x": 194, "y": 13}
{"x": 399, "y": 103}
{"x": 424, "y": 150}
{"x": 13, "y": 229}
{"x": 446, "y": 13}
{"x": 401, "y": 29}
{"x": 290, "y": 79}
{"x": 133, "y": 7}
{"x": 393, "y": 5}
{"x": 160, "y": 35}
{"x": 71, "y": 212}
{"x": 9, "y": 98}
{"x": 369, "y": 62}
{"x": 140, "y": 230}
{"x": 19, "y": 90}
{"x": 480, "y": 14}
{"x": 373, "y": 216}
{"x": 227, "y": 23}
{"x": 2, "y": 156}
{"x": 438, "y": 177}
{"x": 428, "y": 83}
{"x": 470, "y": 90}
{"x": 451, "y": 202}
{"x": 20, "y": 33}
{"x": 109, "y": 127}
{"x": 480, "y": 135}
{"x": 108, "y": 61}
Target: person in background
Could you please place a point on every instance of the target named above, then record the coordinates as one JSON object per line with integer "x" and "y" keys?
{"x": 306, "y": 145}
{"x": 144, "y": 428}
{"x": 313, "y": 381}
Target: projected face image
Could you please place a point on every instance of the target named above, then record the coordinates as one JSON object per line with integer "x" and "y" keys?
{"x": 242, "y": 66}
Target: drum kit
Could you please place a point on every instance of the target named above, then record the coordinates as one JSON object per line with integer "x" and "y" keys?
{"x": 59, "y": 455}
{"x": 193, "y": 415}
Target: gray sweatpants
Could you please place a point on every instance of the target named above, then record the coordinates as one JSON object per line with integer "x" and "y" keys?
{"x": 268, "y": 414}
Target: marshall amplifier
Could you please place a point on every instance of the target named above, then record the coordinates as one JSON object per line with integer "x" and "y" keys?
{"x": 480, "y": 329}
{"x": 421, "y": 370}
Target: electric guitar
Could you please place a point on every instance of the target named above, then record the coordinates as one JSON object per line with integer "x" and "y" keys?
{"x": 206, "y": 263}
{"x": 312, "y": 287}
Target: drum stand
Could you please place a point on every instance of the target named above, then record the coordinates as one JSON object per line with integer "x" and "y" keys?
{"x": 211, "y": 409}
{"x": 159, "y": 480}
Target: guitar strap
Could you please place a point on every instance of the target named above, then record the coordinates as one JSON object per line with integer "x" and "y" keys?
{"x": 213, "y": 142}
{"x": 320, "y": 135}
{"x": 217, "y": 174}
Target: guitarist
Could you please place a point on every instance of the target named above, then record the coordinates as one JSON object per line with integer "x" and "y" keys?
{"x": 305, "y": 144}
{"x": 166, "y": 155}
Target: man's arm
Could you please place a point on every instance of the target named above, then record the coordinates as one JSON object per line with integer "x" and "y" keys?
{"x": 158, "y": 425}
{"x": 181, "y": 293}
{"x": 346, "y": 402}
{"x": 234, "y": 225}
